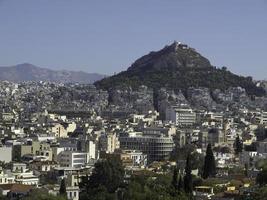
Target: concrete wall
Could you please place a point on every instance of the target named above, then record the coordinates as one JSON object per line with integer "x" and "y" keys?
{"x": 6, "y": 154}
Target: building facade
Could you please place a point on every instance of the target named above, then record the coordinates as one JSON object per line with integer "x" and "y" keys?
{"x": 157, "y": 146}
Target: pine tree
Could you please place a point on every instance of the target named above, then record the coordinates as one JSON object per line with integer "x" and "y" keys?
{"x": 62, "y": 189}
{"x": 188, "y": 184}
{"x": 246, "y": 170}
{"x": 107, "y": 173}
{"x": 238, "y": 145}
{"x": 180, "y": 183}
{"x": 174, "y": 178}
{"x": 209, "y": 164}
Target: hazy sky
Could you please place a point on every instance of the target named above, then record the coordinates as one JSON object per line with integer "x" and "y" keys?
{"x": 106, "y": 36}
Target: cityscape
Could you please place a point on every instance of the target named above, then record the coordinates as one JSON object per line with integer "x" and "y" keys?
{"x": 170, "y": 126}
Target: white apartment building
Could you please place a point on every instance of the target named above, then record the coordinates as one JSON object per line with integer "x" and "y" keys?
{"x": 72, "y": 159}
{"x": 181, "y": 116}
{"x": 91, "y": 149}
{"x": 27, "y": 178}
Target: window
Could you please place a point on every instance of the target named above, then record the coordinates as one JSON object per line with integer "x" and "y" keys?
{"x": 79, "y": 156}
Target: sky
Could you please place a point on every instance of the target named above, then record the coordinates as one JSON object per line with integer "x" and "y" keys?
{"x": 107, "y": 36}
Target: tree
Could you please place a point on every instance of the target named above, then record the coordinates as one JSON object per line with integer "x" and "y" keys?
{"x": 109, "y": 173}
{"x": 174, "y": 178}
{"x": 62, "y": 189}
{"x": 42, "y": 194}
{"x": 261, "y": 133}
{"x": 144, "y": 187}
{"x": 246, "y": 170}
{"x": 224, "y": 68}
{"x": 2, "y": 197}
{"x": 99, "y": 193}
{"x": 188, "y": 184}
{"x": 180, "y": 183}
{"x": 209, "y": 164}
{"x": 107, "y": 177}
{"x": 262, "y": 177}
{"x": 259, "y": 194}
{"x": 238, "y": 145}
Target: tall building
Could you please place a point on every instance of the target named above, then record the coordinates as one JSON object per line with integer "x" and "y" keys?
{"x": 109, "y": 142}
{"x": 72, "y": 159}
{"x": 181, "y": 116}
{"x": 89, "y": 145}
{"x": 214, "y": 136}
{"x": 157, "y": 146}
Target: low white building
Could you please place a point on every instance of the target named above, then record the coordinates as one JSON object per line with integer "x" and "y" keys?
{"x": 223, "y": 158}
{"x": 138, "y": 157}
{"x": 27, "y": 178}
{"x": 19, "y": 167}
{"x": 72, "y": 192}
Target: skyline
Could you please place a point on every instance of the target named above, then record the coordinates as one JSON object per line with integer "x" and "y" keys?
{"x": 107, "y": 37}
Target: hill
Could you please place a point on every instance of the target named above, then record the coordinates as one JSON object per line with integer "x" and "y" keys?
{"x": 178, "y": 67}
{"x": 29, "y": 72}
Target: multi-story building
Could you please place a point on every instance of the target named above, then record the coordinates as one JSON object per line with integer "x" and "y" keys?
{"x": 262, "y": 147}
{"x": 34, "y": 148}
{"x": 27, "y": 178}
{"x": 167, "y": 131}
{"x": 88, "y": 144}
{"x": 213, "y": 136}
{"x": 72, "y": 192}
{"x": 109, "y": 142}
{"x": 138, "y": 158}
{"x": 157, "y": 146}
{"x": 6, "y": 178}
{"x": 61, "y": 130}
{"x": 264, "y": 117}
{"x": 72, "y": 159}
{"x": 43, "y": 166}
{"x": 181, "y": 116}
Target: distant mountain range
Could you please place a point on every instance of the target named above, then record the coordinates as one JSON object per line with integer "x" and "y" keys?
{"x": 29, "y": 72}
{"x": 178, "y": 67}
